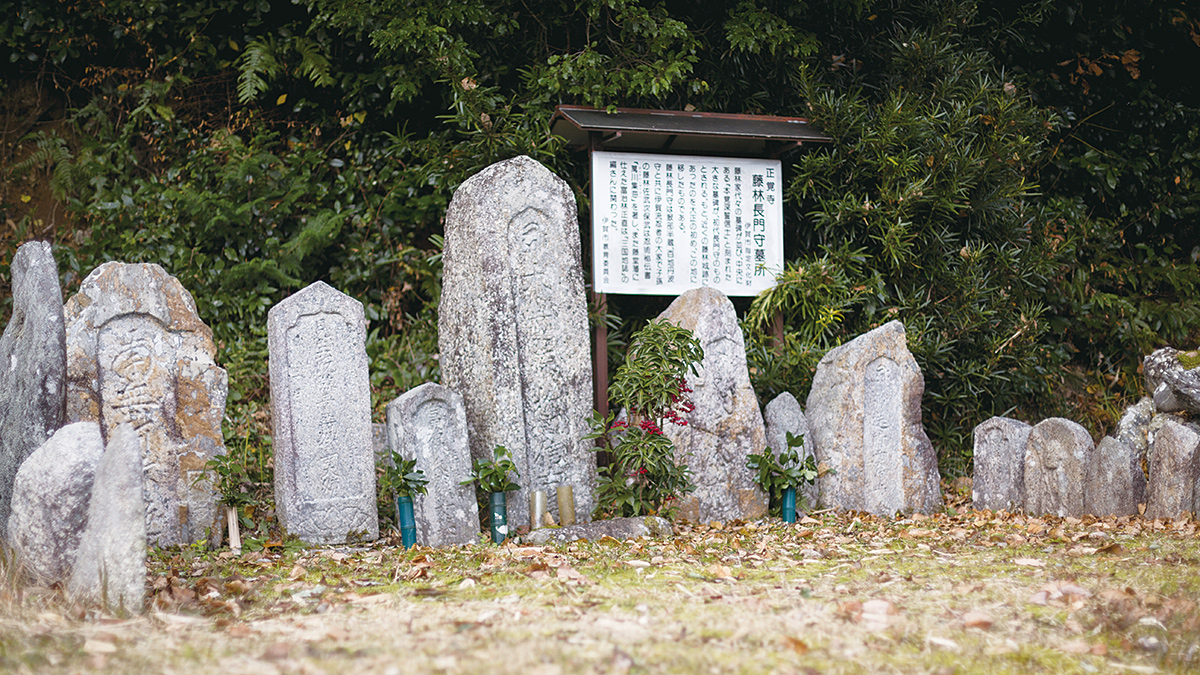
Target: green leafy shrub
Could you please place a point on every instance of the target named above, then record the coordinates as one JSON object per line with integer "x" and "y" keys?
{"x": 775, "y": 473}
{"x": 643, "y": 477}
{"x": 493, "y": 475}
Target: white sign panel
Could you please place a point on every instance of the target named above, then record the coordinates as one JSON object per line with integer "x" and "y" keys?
{"x": 665, "y": 224}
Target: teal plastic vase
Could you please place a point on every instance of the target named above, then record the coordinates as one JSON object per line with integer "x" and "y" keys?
{"x": 789, "y": 505}
{"x": 499, "y": 517}
{"x": 408, "y": 524}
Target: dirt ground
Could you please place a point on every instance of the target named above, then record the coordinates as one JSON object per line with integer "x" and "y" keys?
{"x": 976, "y": 592}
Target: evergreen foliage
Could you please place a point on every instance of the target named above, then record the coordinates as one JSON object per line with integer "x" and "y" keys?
{"x": 1016, "y": 183}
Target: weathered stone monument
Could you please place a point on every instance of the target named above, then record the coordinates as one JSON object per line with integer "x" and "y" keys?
{"x": 51, "y": 495}
{"x": 513, "y": 328}
{"x": 1058, "y": 458}
{"x": 999, "y": 450}
{"x": 1118, "y": 484}
{"x": 864, "y": 412}
{"x": 726, "y": 424}
{"x": 781, "y": 416}
{"x": 429, "y": 424}
{"x": 110, "y": 565}
{"x": 321, "y": 413}
{"x": 138, "y": 352}
{"x": 1174, "y": 387}
{"x": 1174, "y": 466}
{"x": 34, "y": 364}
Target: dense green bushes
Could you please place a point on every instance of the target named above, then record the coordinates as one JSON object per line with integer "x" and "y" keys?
{"x": 1016, "y": 184}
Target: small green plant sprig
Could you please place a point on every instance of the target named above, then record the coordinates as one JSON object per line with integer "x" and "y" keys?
{"x": 402, "y": 477}
{"x": 777, "y": 472}
{"x": 651, "y": 386}
{"x": 231, "y": 480}
{"x": 492, "y": 475}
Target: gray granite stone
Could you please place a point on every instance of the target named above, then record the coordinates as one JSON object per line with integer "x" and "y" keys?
{"x": 33, "y": 364}
{"x": 321, "y": 414}
{"x": 1174, "y": 388}
{"x": 138, "y": 352}
{"x": 999, "y": 480}
{"x": 110, "y": 566}
{"x": 429, "y": 424}
{"x": 617, "y": 528}
{"x": 1058, "y": 458}
{"x": 783, "y": 415}
{"x": 513, "y": 328}
{"x": 1118, "y": 484}
{"x": 864, "y": 412}
{"x": 1174, "y": 466}
{"x": 51, "y": 494}
{"x": 726, "y": 425}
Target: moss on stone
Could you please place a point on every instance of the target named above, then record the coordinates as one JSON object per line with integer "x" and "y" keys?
{"x": 1188, "y": 360}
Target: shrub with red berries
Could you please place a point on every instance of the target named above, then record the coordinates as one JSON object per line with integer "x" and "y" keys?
{"x": 651, "y": 389}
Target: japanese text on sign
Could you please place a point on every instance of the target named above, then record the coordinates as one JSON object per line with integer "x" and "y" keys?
{"x": 664, "y": 224}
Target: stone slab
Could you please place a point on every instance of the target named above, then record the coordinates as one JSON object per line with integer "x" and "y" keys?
{"x": 726, "y": 425}
{"x": 321, "y": 416}
{"x": 864, "y": 412}
{"x": 999, "y": 451}
{"x": 513, "y": 328}
{"x": 616, "y": 528}
{"x": 33, "y": 364}
{"x": 1058, "y": 458}
{"x": 138, "y": 352}
{"x": 1174, "y": 466}
{"x": 110, "y": 566}
{"x": 429, "y": 424}
{"x": 51, "y": 495}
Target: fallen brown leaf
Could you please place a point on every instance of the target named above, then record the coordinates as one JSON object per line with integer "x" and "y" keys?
{"x": 979, "y": 620}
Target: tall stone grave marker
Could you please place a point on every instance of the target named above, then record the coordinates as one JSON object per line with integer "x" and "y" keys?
{"x": 110, "y": 565}
{"x": 1118, "y": 484}
{"x": 33, "y": 364}
{"x": 429, "y": 424}
{"x": 864, "y": 410}
{"x": 1174, "y": 466}
{"x": 1058, "y": 459}
{"x": 138, "y": 352}
{"x": 321, "y": 412}
{"x": 51, "y": 495}
{"x": 999, "y": 480}
{"x": 513, "y": 328}
{"x": 726, "y": 425}
{"x": 783, "y": 415}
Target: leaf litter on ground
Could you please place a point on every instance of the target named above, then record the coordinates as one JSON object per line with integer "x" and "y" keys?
{"x": 834, "y": 592}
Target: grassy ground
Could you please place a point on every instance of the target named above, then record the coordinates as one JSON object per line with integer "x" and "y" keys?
{"x": 975, "y": 592}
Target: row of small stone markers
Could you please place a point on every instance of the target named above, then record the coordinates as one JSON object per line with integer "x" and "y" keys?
{"x": 112, "y": 406}
{"x": 1055, "y": 468}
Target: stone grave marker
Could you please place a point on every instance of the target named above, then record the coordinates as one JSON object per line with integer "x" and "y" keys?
{"x": 513, "y": 328}
{"x": 110, "y": 565}
{"x": 1058, "y": 459}
{"x": 864, "y": 412}
{"x": 321, "y": 414}
{"x": 51, "y": 495}
{"x": 783, "y": 415}
{"x": 999, "y": 480}
{"x": 34, "y": 358}
{"x": 1174, "y": 466}
{"x": 138, "y": 352}
{"x": 1118, "y": 483}
{"x": 429, "y": 424}
{"x": 726, "y": 425}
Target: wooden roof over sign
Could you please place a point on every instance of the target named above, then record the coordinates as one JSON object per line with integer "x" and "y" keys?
{"x": 683, "y": 132}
